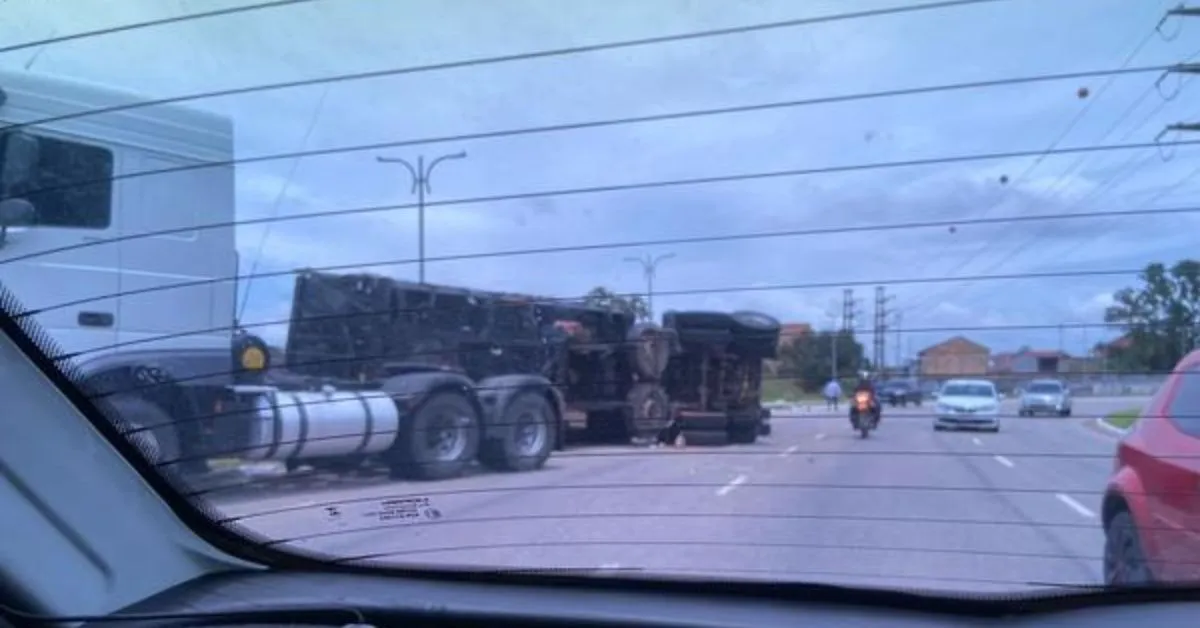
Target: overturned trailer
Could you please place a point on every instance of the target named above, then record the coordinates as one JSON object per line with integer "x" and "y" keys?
{"x": 611, "y": 370}
{"x": 715, "y": 378}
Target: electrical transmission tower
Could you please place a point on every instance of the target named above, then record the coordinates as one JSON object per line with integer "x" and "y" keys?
{"x": 879, "y": 356}
{"x": 848, "y": 307}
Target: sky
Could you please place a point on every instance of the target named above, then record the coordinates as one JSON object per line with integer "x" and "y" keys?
{"x": 1003, "y": 39}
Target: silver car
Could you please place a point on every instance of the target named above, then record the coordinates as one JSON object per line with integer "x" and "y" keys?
{"x": 1045, "y": 396}
{"x": 967, "y": 403}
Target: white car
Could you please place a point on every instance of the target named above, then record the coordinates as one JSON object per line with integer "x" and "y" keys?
{"x": 969, "y": 403}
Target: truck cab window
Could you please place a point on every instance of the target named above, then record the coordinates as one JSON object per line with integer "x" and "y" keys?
{"x": 69, "y": 186}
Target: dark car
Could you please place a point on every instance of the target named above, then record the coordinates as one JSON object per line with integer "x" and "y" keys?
{"x": 900, "y": 393}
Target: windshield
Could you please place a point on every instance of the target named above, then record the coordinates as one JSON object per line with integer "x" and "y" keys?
{"x": 968, "y": 390}
{"x": 1045, "y": 388}
{"x": 509, "y": 284}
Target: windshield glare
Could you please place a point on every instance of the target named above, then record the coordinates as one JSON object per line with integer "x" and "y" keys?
{"x": 592, "y": 285}
{"x": 1045, "y": 388}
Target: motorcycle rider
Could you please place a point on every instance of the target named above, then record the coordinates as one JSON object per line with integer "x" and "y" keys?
{"x": 867, "y": 384}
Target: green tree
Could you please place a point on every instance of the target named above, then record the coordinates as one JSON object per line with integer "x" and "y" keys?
{"x": 1159, "y": 317}
{"x": 808, "y": 359}
{"x": 603, "y": 297}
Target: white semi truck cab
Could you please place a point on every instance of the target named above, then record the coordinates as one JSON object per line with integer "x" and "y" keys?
{"x": 117, "y": 238}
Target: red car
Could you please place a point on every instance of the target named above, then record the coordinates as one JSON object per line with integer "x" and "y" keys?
{"x": 1151, "y": 510}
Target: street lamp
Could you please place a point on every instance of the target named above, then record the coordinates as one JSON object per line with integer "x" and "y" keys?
{"x": 650, "y": 270}
{"x": 835, "y": 335}
{"x": 420, "y": 186}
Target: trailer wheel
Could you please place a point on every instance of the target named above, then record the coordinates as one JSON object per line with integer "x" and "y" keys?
{"x": 527, "y": 435}
{"x": 651, "y": 350}
{"x": 649, "y": 411}
{"x": 155, "y": 433}
{"x": 441, "y": 440}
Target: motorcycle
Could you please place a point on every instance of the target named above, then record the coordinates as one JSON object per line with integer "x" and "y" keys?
{"x": 864, "y": 413}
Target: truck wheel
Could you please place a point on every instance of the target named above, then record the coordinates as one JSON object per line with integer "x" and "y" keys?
{"x": 650, "y": 351}
{"x": 441, "y": 440}
{"x": 156, "y": 435}
{"x": 649, "y": 411}
{"x": 526, "y": 435}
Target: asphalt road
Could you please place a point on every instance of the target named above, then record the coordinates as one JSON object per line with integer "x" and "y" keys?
{"x": 908, "y": 507}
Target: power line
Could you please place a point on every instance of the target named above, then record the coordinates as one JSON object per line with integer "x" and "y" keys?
{"x": 630, "y": 244}
{"x": 148, "y": 24}
{"x": 1128, "y": 168}
{"x": 623, "y": 187}
{"x": 606, "y": 246}
{"x": 626, "y": 120}
{"x": 825, "y": 285}
{"x": 283, "y": 190}
{"x": 1061, "y": 136}
{"x": 1079, "y": 115}
{"x": 524, "y": 56}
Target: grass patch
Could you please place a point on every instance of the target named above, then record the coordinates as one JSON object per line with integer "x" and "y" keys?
{"x": 1124, "y": 418}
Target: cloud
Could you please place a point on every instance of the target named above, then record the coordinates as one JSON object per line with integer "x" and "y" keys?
{"x": 353, "y": 36}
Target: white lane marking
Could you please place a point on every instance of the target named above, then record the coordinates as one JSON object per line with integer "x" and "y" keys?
{"x": 820, "y": 436}
{"x": 734, "y": 483}
{"x": 975, "y": 439}
{"x": 789, "y": 451}
{"x": 1004, "y": 461}
{"x": 1076, "y": 506}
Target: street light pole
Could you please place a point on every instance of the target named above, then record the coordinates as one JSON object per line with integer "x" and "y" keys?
{"x": 835, "y": 335}
{"x": 420, "y": 186}
{"x": 650, "y": 270}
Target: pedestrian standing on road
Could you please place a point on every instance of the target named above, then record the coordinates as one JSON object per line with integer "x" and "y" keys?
{"x": 833, "y": 392}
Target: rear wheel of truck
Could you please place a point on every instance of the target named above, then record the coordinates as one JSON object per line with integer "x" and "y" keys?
{"x": 649, "y": 411}
{"x": 440, "y": 441}
{"x": 151, "y": 428}
{"x": 526, "y": 435}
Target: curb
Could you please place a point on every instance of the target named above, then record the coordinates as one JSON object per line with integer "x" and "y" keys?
{"x": 1107, "y": 428}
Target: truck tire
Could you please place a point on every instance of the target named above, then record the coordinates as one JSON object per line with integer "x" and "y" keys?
{"x": 650, "y": 349}
{"x": 440, "y": 442}
{"x": 156, "y": 435}
{"x": 527, "y": 435}
{"x": 649, "y": 411}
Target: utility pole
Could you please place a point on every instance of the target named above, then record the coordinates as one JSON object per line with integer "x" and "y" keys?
{"x": 899, "y": 355}
{"x": 847, "y": 309}
{"x": 881, "y": 325}
{"x": 650, "y": 271}
{"x": 835, "y": 336}
{"x": 420, "y": 187}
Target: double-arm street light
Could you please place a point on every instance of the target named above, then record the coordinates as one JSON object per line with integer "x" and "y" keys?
{"x": 420, "y": 186}
{"x": 649, "y": 266}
